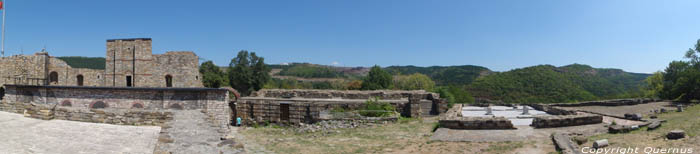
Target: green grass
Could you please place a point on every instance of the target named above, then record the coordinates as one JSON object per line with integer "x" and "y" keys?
{"x": 689, "y": 121}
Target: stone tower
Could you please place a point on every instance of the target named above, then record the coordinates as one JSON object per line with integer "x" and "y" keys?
{"x": 129, "y": 63}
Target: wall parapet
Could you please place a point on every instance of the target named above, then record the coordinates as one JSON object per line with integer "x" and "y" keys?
{"x": 565, "y": 120}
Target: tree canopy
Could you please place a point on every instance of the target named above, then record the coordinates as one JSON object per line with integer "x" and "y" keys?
{"x": 212, "y": 76}
{"x": 681, "y": 79}
{"x": 377, "y": 79}
{"x": 247, "y": 72}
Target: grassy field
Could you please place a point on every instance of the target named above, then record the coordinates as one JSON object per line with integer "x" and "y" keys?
{"x": 405, "y": 136}
{"x": 689, "y": 121}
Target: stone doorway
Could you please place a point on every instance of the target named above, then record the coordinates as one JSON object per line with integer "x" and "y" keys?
{"x": 284, "y": 112}
{"x": 234, "y": 114}
{"x": 2, "y": 92}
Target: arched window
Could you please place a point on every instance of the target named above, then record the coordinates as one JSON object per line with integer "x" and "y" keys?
{"x": 80, "y": 80}
{"x": 66, "y": 103}
{"x": 98, "y": 105}
{"x": 168, "y": 81}
{"x": 53, "y": 78}
{"x": 137, "y": 106}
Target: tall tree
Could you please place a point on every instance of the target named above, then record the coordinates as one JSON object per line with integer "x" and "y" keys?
{"x": 212, "y": 76}
{"x": 415, "y": 81}
{"x": 682, "y": 78}
{"x": 377, "y": 79}
{"x": 247, "y": 72}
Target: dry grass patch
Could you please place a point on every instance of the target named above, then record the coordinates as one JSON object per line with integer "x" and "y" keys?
{"x": 689, "y": 121}
{"x": 408, "y": 135}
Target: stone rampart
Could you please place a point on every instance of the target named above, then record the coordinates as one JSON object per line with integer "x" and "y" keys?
{"x": 565, "y": 120}
{"x": 115, "y": 105}
{"x": 453, "y": 119}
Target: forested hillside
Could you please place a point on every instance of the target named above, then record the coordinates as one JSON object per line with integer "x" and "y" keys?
{"x": 84, "y": 62}
{"x": 444, "y": 75}
{"x": 550, "y": 84}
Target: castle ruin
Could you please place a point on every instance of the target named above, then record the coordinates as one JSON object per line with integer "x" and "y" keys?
{"x": 128, "y": 63}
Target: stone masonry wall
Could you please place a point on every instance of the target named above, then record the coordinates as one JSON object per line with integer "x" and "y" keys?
{"x": 91, "y": 101}
{"x": 125, "y": 58}
{"x": 261, "y": 109}
{"x": 109, "y": 116}
{"x": 565, "y": 120}
{"x": 453, "y": 119}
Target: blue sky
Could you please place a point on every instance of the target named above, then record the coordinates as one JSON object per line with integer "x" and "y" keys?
{"x": 634, "y": 35}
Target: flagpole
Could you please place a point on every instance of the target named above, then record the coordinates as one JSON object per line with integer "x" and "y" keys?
{"x": 4, "y": 8}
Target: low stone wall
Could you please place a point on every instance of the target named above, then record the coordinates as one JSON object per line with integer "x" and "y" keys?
{"x": 307, "y": 106}
{"x": 453, "y": 119}
{"x": 299, "y": 110}
{"x": 109, "y": 116}
{"x": 565, "y": 120}
{"x": 552, "y": 109}
{"x": 344, "y": 94}
{"x": 117, "y": 105}
{"x": 613, "y": 102}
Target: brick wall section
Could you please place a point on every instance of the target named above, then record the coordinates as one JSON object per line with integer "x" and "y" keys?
{"x": 453, "y": 119}
{"x": 565, "y": 120}
{"x": 55, "y": 100}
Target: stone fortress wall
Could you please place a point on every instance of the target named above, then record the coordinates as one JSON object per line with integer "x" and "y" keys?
{"x": 128, "y": 63}
{"x": 308, "y": 106}
{"x": 116, "y": 105}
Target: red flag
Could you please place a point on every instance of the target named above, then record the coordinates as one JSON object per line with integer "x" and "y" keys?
{"x": 1, "y": 5}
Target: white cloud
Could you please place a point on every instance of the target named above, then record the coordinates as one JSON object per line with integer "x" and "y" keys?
{"x": 335, "y": 63}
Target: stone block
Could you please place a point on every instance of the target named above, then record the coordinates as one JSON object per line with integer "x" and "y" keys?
{"x": 675, "y": 134}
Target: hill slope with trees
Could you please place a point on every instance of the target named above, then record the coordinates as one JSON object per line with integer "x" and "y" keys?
{"x": 550, "y": 84}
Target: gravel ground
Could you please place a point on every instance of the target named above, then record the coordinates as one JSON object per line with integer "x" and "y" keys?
{"x": 19, "y": 134}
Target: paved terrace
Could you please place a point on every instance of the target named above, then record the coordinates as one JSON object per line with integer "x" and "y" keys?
{"x": 26, "y": 135}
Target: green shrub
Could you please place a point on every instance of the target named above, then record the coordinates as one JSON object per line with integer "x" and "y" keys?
{"x": 374, "y": 108}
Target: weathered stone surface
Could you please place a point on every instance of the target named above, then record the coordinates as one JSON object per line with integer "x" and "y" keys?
{"x": 654, "y": 125}
{"x": 20, "y": 134}
{"x": 563, "y": 142}
{"x": 621, "y": 128}
{"x": 565, "y": 120}
{"x": 43, "y": 102}
{"x": 580, "y": 140}
{"x": 633, "y": 116}
{"x": 600, "y": 143}
{"x": 675, "y": 134}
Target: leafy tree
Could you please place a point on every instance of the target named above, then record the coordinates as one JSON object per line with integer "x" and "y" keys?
{"x": 414, "y": 81}
{"x": 354, "y": 85}
{"x": 682, "y": 78}
{"x": 655, "y": 84}
{"x": 377, "y": 79}
{"x": 248, "y": 72}
{"x": 212, "y": 76}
